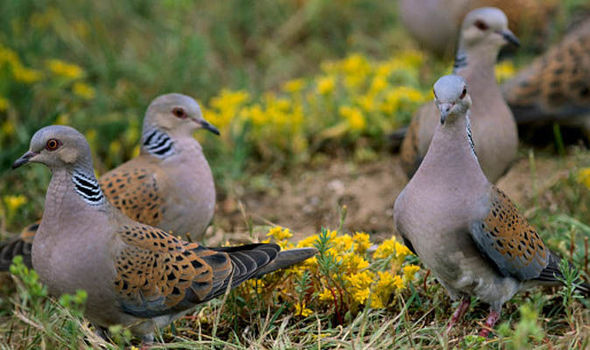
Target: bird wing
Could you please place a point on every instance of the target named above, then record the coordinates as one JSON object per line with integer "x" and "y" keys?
{"x": 157, "y": 273}
{"x": 509, "y": 241}
{"x": 135, "y": 189}
{"x": 555, "y": 85}
{"x": 19, "y": 245}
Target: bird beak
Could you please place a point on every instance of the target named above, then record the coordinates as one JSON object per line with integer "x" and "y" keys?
{"x": 207, "y": 126}
{"x": 510, "y": 37}
{"x": 24, "y": 159}
{"x": 445, "y": 110}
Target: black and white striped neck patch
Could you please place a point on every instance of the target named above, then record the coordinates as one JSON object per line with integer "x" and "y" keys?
{"x": 88, "y": 188}
{"x": 460, "y": 61}
{"x": 159, "y": 144}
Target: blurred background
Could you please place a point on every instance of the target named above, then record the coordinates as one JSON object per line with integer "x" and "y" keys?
{"x": 304, "y": 92}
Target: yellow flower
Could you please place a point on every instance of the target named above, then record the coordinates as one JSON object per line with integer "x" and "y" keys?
{"x": 359, "y": 285}
{"x": 354, "y": 116}
{"x": 398, "y": 282}
{"x": 4, "y": 103}
{"x": 383, "y": 289}
{"x": 326, "y": 85}
{"x": 302, "y": 310}
{"x": 360, "y": 295}
{"x": 361, "y": 242}
{"x": 584, "y": 177}
{"x": 343, "y": 243}
{"x": 15, "y": 202}
{"x": 353, "y": 263}
{"x": 83, "y": 90}
{"x": 366, "y": 102}
{"x": 385, "y": 249}
{"x": 410, "y": 271}
{"x": 224, "y": 107}
{"x": 378, "y": 84}
{"x": 504, "y": 71}
{"x": 308, "y": 241}
{"x": 326, "y": 295}
{"x": 279, "y": 233}
{"x": 294, "y": 85}
{"x": 64, "y": 69}
{"x": 25, "y": 75}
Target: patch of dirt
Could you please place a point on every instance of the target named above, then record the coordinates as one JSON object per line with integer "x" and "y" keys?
{"x": 309, "y": 199}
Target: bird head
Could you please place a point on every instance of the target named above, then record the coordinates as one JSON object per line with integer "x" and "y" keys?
{"x": 57, "y": 146}
{"x": 451, "y": 97}
{"x": 176, "y": 114}
{"x": 486, "y": 27}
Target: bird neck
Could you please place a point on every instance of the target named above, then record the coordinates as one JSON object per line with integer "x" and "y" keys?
{"x": 479, "y": 60}
{"x": 452, "y": 148}
{"x": 157, "y": 143}
{"x": 163, "y": 145}
{"x": 68, "y": 191}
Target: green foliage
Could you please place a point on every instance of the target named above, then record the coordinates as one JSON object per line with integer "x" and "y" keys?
{"x": 31, "y": 291}
{"x": 526, "y": 333}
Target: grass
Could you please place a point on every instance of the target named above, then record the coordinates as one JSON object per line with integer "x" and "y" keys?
{"x": 113, "y": 57}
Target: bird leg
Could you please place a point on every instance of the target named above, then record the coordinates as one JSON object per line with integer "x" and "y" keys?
{"x": 465, "y": 302}
{"x": 490, "y": 322}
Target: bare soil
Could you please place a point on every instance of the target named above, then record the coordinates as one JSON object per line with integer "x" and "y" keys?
{"x": 308, "y": 199}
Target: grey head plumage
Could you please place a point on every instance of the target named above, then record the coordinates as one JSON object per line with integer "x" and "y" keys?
{"x": 451, "y": 97}
{"x": 59, "y": 146}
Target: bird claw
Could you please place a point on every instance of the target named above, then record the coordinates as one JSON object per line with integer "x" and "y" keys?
{"x": 458, "y": 314}
{"x": 493, "y": 317}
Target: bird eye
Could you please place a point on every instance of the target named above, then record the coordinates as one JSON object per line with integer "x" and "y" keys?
{"x": 463, "y": 93}
{"x": 179, "y": 112}
{"x": 52, "y": 144}
{"x": 481, "y": 25}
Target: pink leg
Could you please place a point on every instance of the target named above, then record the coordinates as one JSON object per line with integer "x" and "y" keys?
{"x": 459, "y": 312}
{"x": 490, "y": 322}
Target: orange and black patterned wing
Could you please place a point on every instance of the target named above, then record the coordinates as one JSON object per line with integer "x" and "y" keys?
{"x": 19, "y": 245}
{"x": 556, "y": 85}
{"x": 135, "y": 192}
{"x": 159, "y": 274}
{"x": 508, "y": 240}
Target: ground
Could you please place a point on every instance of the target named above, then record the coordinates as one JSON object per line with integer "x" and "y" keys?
{"x": 307, "y": 199}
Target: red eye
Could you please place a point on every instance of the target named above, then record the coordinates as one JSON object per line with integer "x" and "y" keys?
{"x": 179, "y": 112}
{"x": 52, "y": 144}
{"x": 481, "y": 25}
{"x": 463, "y": 93}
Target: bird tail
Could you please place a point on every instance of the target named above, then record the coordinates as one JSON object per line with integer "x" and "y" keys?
{"x": 254, "y": 261}
{"x": 20, "y": 245}
{"x": 552, "y": 274}
{"x": 286, "y": 258}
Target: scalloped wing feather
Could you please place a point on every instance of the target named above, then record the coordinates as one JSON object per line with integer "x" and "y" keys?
{"x": 135, "y": 191}
{"x": 509, "y": 241}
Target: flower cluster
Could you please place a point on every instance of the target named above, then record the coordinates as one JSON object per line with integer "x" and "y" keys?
{"x": 350, "y": 98}
{"x": 347, "y": 273}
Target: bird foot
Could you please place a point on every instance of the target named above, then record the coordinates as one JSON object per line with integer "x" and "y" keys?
{"x": 490, "y": 322}
{"x": 458, "y": 314}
